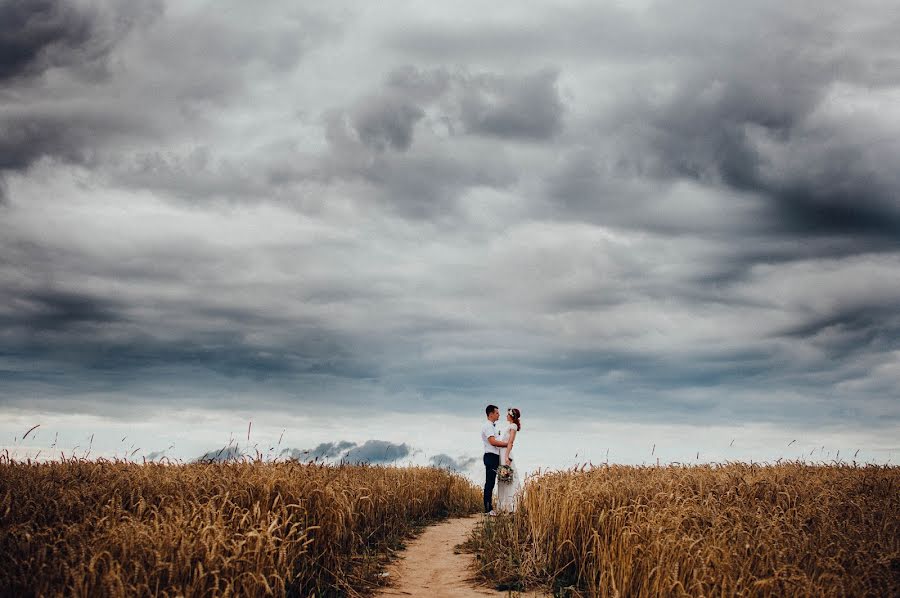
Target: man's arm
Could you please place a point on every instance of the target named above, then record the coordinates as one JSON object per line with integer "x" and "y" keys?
{"x": 494, "y": 442}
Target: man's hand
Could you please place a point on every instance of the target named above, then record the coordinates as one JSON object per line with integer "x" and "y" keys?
{"x": 494, "y": 442}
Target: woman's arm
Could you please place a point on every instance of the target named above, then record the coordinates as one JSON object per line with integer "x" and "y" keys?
{"x": 509, "y": 444}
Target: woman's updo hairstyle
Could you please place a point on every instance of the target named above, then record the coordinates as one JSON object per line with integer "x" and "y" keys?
{"x": 516, "y": 414}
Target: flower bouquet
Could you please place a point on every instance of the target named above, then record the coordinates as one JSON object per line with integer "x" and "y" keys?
{"x": 505, "y": 473}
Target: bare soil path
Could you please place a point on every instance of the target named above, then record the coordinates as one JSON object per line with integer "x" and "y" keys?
{"x": 430, "y": 567}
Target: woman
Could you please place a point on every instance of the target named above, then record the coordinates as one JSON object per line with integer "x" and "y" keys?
{"x": 508, "y": 492}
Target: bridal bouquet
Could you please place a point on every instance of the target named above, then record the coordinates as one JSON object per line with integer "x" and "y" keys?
{"x": 505, "y": 473}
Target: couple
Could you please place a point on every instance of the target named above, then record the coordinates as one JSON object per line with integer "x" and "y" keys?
{"x": 498, "y": 443}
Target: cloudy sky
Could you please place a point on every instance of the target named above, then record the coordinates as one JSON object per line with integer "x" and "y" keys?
{"x": 660, "y": 229}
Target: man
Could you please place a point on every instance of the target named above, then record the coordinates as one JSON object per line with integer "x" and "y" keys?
{"x": 492, "y": 445}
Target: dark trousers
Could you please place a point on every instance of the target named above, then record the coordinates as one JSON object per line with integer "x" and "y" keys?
{"x": 491, "y": 463}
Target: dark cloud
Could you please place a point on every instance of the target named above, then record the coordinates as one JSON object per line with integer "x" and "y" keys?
{"x": 765, "y": 103}
{"x": 37, "y": 35}
{"x": 384, "y": 122}
{"x": 767, "y": 119}
{"x": 53, "y": 329}
{"x": 324, "y": 451}
{"x": 230, "y": 452}
{"x": 118, "y": 355}
{"x": 614, "y": 211}
{"x": 29, "y": 134}
{"x": 852, "y": 329}
{"x": 371, "y": 451}
{"x": 459, "y": 116}
{"x": 78, "y": 38}
{"x": 49, "y": 310}
{"x": 508, "y": 106}
{"x": 527, "y": 107}
{"x": 421, "y": 184}
{"x": 110, "y": 58}
{"x": 446, "y": 461}
{"x": 820, "y": 178}
{"x": 377, "y": 451}
{"x": 27, "y": 139}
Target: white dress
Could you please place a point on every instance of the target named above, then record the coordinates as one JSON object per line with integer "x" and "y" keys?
{"x": 508, "y": 492}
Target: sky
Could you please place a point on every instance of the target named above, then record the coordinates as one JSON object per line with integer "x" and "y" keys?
{"x": 338, "y": 230}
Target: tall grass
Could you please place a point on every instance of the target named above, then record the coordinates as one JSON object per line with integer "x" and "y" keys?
{"x": 115, "y": 528}
{"x": 789, "y": 529}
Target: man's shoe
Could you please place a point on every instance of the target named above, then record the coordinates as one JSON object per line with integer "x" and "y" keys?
{"x": 492, "y": 514}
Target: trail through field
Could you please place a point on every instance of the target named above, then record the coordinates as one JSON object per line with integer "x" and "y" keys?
{"x": 430, "y": 567}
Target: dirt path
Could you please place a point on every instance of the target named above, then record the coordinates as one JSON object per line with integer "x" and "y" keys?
{"x": 429, "y": 566}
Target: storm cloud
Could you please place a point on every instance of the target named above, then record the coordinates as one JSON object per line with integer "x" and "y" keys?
{"x": 446, "y": 461}
{"x": 103, "y": 84}
{"x": 377, "y": 451}
{"x": 324, "y": 450}
{"x": 39, "y": 35}
{"x": 371, "y": 451}
{"x": 625, "y": 213}
{"x": 73, "y": 41}
{"x": 231, "y": 452}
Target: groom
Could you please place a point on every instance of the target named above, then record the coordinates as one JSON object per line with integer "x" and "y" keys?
{"x": 492, "y": 445}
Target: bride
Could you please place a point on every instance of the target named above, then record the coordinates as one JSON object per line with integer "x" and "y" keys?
{"x": 508, "y": 492}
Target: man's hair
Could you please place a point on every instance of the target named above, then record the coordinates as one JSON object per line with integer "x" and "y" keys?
{"x": 490, "y": 409}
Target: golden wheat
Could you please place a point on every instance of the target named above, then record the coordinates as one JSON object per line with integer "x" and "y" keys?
{"x": 788, "y": 529}
{"x": 114, "y": 528}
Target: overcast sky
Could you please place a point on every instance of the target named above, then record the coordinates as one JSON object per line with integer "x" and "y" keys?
{"x": 671, "y": 223}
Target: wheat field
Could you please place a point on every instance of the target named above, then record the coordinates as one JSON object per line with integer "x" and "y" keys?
{"x": 116, "y": 528}
{"x": 787, "y": 529}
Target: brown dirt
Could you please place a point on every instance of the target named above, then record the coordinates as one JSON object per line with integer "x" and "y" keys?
{"x": 430, "y": 567}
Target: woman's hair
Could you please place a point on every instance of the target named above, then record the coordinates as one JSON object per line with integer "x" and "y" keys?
{"x": 516, "y": 414}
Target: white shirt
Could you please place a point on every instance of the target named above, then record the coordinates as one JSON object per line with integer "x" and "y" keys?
{"x": 488, "y": 430}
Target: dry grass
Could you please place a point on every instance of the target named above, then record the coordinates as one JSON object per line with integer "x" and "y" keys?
{"x": 113, "y": 528}
{"x": 789, "y": 529}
